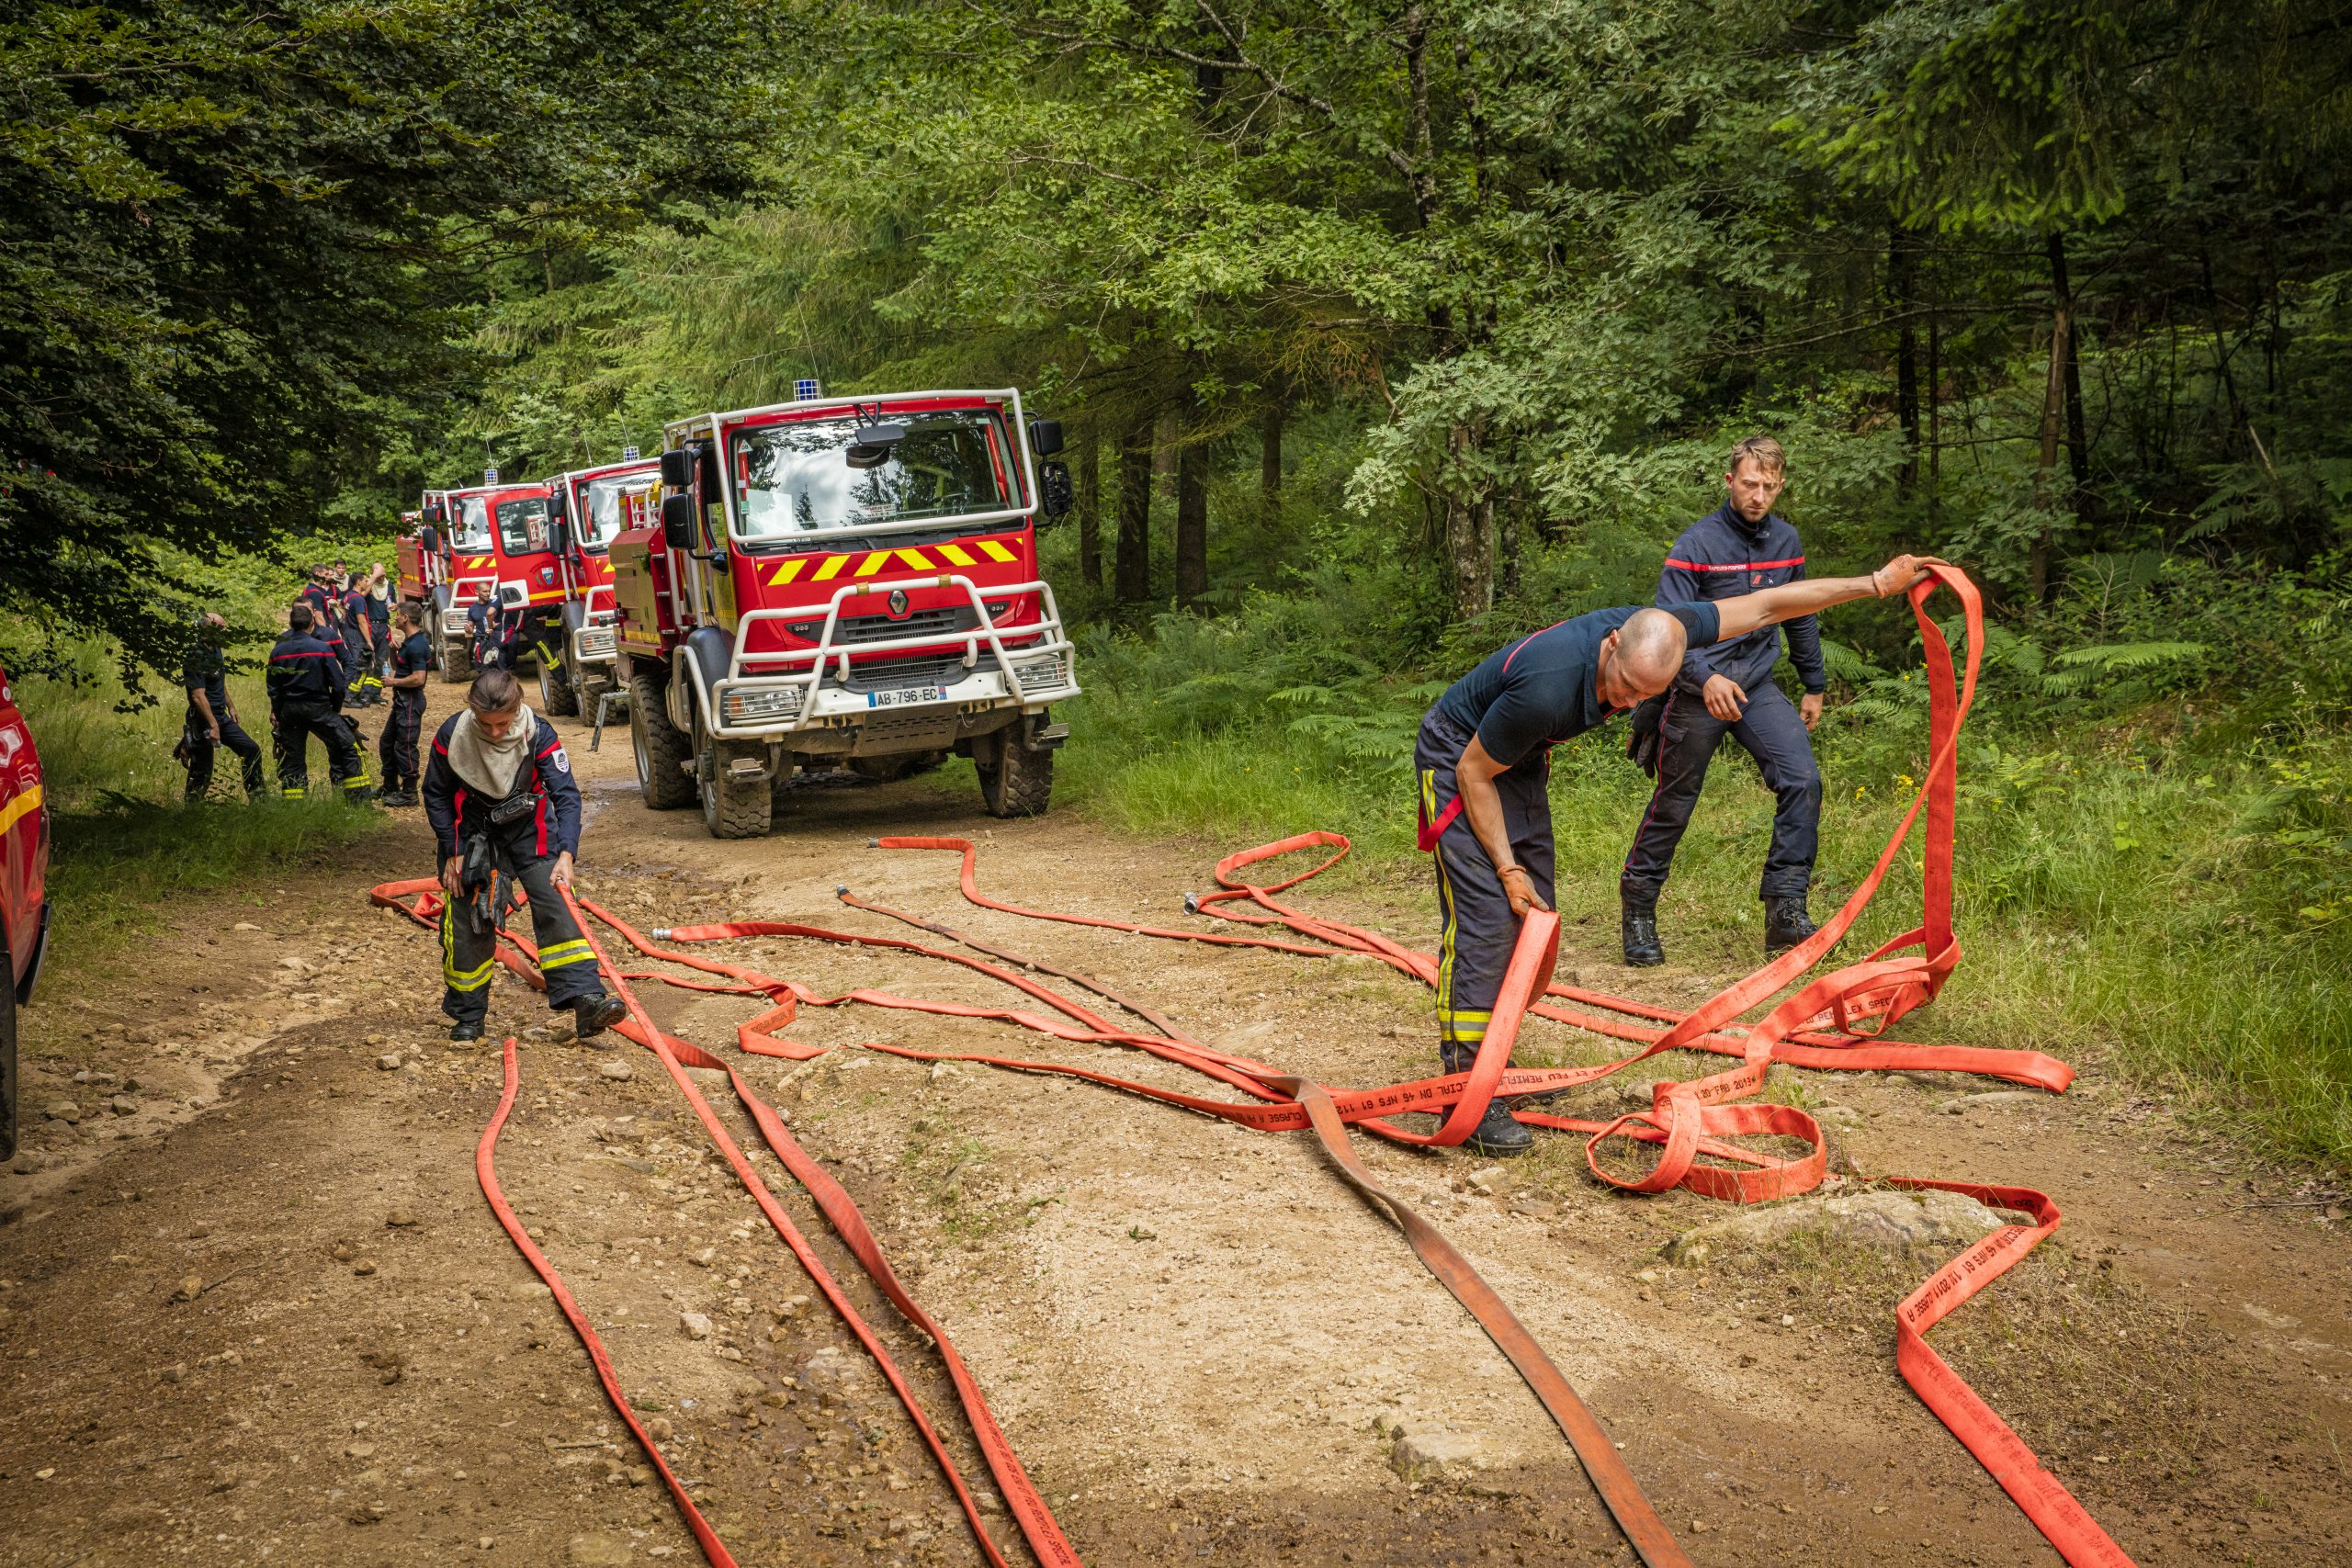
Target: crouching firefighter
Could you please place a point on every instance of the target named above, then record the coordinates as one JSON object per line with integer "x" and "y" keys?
{"x": 1483, "y": 767}
{"x": 505, "y": 812}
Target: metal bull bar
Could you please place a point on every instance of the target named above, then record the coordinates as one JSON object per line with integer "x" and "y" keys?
{"x": 594, "y": 642}
{"x": 1040, "y": 639}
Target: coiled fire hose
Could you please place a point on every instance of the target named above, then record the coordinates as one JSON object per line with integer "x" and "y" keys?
{"x": 1691, "y": 1125}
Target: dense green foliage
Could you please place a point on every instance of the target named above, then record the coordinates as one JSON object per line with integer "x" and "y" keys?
{"x": 1387, "y": 330}
{"x": 241, "y": 252}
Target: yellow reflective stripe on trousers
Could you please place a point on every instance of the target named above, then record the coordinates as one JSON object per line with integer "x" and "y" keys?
{"x": 556, "y": 955}
{"x": 474, "y": 980}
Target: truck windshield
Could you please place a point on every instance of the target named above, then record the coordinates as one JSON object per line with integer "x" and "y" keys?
{"x": 610, "y": 504}
{"x": 523, "y": 526}
{"x": 471, "y": 530}
{"x": 796, "y": 479}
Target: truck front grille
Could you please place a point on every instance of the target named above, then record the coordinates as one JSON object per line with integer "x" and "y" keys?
{"x": 896, "y": 674}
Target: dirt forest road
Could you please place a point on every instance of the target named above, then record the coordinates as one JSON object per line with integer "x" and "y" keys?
{"x": 253, "y": 1309}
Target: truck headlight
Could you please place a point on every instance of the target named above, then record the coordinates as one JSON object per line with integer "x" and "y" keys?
{"x": 1042, "y": 673}
{"x": 749, "y": 706}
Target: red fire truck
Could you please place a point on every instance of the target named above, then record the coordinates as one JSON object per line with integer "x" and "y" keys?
{"x": 491, "y": 534}
{"x": 590, "y": 507}
{"x": 24, "y": 899}
{"x": 844, "y": 581}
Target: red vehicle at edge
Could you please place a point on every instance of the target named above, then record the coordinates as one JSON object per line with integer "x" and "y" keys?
{"x": 590, "y": 507}
{"x": 24, "y": 903}
{"x": 844, "y": 581}
{"x": 497, "y": 533}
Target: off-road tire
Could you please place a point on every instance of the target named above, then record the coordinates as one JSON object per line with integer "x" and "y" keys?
{"x": 593, "y": 688}
{"x": 731, "y": 808}
{"x": 457, "y": 661}
{"x": 7, "y": 1063}
{"x": 661, "y": 750}
{"x": 1019, "y": 782}
{"x": 558, "y": 696}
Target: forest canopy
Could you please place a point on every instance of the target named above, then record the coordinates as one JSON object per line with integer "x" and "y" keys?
{"x": 2046, "y": 285}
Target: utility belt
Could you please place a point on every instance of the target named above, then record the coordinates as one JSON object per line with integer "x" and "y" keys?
{"x": 515, "y": 808}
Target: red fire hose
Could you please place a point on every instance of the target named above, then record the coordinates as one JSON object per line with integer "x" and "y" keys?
{"x": 1691, "y": 1126}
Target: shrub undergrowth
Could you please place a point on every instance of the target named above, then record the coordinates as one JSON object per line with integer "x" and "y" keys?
{"x": 2151, "y": 855}
{"x": 124, "y": 844}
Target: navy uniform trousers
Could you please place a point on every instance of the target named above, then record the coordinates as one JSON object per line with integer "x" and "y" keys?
{"x": 467, "y": 956}
{"x": 396, "y": 754}
{"x": 296, "y": 722}
{"x": 1688, "y": 736}
{"x": 1480, "y": 931}
{"x": 200, "y": 754}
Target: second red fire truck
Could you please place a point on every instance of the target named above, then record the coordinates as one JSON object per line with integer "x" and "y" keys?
{"x": 591, "y": 507}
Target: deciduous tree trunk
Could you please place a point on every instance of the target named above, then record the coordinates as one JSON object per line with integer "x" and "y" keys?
{"x": 1899, "y": 277}
{"x": 1469, "y": 533}
{"x": 2038, "y": 560}
{"x": 2078, "y": 454}
{"x": 1133, "y": 567}
{"x": 1090, "y": 507}
{"x": 1270, "y": 451}
{"x": 1191, "y": 520}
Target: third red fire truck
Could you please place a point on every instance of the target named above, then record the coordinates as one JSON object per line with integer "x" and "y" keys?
{"x": 591, "y": 507}
{"x": 496, "y": 534}
{"x": 844, "y": 581}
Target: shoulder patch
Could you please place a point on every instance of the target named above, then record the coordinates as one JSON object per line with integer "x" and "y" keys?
{"x": 562, "y": 760}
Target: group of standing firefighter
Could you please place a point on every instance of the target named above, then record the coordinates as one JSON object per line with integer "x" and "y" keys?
{"x": 1692, "y": 669}
{"x": 497, "y": 791}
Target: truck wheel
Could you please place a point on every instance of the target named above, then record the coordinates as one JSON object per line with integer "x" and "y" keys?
{"x": 558, "y": 696}
{"x": 731, "y": 808}
{"x": 457, "y": 661}
{"x": 1017, "y": 782}
{"x": 661, "y": 750}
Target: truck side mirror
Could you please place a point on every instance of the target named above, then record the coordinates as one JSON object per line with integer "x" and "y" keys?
{"x": 1054, "y": 494}
{"x": 677, "y": 518}
{"x": 560, "y": 533}
{"x": 1044, "y": 436}
{"x": 678, "y": 468}
{"x": 430, "y": 538}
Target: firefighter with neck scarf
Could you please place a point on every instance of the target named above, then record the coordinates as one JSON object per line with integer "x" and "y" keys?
{"x": 505, "y": 811}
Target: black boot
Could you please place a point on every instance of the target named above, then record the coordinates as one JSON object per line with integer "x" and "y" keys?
{"x": 1642, "y": 948}
{"x": 1498, "y": 1134}
{"x": 470, "y": 1029}
{"x": 593, "y": 1015}
{"x": 1785, "y": 925}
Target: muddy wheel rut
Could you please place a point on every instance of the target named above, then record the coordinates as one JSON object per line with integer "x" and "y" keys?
{"x": 253, "y": 1308}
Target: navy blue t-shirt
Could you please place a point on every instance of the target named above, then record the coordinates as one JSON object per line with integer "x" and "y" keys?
{"x": 1539, "y": 690}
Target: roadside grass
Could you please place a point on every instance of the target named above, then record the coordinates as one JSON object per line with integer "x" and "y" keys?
{"x": 124, "y": 845}
{"x": 2112, "y": 902}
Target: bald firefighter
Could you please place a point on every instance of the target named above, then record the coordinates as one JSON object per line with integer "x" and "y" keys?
{"x": 1483, "y": 761}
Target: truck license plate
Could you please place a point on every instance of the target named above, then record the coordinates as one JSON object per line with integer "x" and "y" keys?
{"x": 906, "y": 696}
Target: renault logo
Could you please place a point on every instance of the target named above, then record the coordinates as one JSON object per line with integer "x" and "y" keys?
{"x": 896, "y": 604}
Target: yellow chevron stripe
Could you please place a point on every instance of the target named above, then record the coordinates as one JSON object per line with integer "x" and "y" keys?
{"x": 787, "y": 571}
{"x": 28, "y": 801}
{"x": 832, "y": 566}
{"x": 915, "y": 559}
{"x": 956, "y": 555}
{"x": 871, "y": 564}
{"x": 995, "y": 551}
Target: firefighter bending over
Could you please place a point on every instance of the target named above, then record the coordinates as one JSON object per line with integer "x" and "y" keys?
{"x": 499, "y": 793}
{"x": 306, "y": 686}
